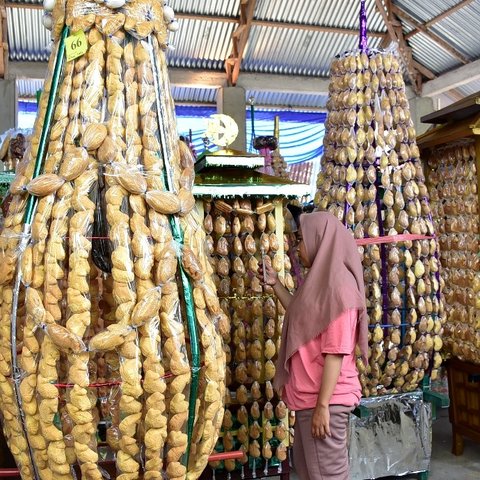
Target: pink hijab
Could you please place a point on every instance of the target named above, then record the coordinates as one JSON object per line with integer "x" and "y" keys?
{"x": 333, "y": 285}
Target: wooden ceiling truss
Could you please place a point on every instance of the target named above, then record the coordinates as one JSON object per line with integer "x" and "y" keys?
{"x": 239, "y": 41}
{"x": 395, "y": 31}
{"x": 433, "y": 36}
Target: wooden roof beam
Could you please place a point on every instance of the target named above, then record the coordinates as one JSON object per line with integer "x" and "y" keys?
{"x": 440, "y": 17}
{"x": 31, "y": 6}
{"x": 395, "y": 31}
{"x": 239, "y": 41}
{"x": 3, "y": 40}
{"x": 391, "y": 34}
{"x": 445, "y": 45}
{"x": 423, "y": 70}
{"x": 453, "y": 79}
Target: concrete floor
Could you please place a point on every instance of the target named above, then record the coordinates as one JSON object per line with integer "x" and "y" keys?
{"x": 445, "y": 465}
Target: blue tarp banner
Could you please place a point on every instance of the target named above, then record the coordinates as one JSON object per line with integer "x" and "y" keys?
{"x": 301, "y": 133}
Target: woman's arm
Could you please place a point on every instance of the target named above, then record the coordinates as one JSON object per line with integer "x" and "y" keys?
{"x": 321, "y": 414}
{"x": 282, "y": 293}
{"x": 271, "y": 278}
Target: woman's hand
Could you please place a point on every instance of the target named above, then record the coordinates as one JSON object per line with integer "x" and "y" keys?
{"x": 321, "y": 422}
{"x": 268, "y": 275}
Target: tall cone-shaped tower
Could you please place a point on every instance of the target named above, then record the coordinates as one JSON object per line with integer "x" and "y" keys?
{"x": 108, "y": 310}
{"x": 372, "y": 179}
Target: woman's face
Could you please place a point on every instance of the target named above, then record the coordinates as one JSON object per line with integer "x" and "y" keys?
{"x": 302, "y": 251}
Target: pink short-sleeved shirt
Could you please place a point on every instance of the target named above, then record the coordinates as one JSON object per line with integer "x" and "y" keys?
{"x": 306, "y": 366}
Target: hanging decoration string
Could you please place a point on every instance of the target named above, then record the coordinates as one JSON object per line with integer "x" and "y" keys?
{"x": 363, "y": 44}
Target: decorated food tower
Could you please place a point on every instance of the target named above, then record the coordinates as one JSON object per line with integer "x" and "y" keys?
{"x": 109, "y": 313}
{"x": 372, "y": 179}
{"x": 243, "y": 211}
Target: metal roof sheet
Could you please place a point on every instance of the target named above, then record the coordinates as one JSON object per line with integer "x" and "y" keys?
{"x": 469, "y": 88}
{"x": 430, "y": 54}
{"x": 287, "y": 100}
{"x": 205, "y": 44}
{"x": 459, "y": 28}
{"x": 28, "y": 39}
{"x": 425, "y": 10}
{"x": 28, "y": 87}
{"x": 338, "y": 13}
{"x": 32, "y": 2}
{"x": 227, "y": 8}
{"x": 194, "y": 95}
{"x": 295, "y": 52}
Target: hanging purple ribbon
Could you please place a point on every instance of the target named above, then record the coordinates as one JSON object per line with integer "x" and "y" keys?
{"x": 363, "y": 44}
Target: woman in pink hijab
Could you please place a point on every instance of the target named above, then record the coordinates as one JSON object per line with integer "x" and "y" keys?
{"x": 316, "y": 367}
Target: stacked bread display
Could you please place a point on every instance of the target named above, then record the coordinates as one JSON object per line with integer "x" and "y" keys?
{"x": 105, "y": 282}
{"x": 372, "y": 179}
{"x": 241, "y": 234}
{"x": 453, "y": 188}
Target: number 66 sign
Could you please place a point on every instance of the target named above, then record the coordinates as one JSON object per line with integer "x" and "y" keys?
{"x": 76, "y": 45}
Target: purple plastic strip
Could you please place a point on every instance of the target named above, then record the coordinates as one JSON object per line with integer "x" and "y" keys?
{"x": 439, "y": 265}
{"x": 383, "y": 254}
{"x": 347, "y": 206}
{"x": 363, "y": 45}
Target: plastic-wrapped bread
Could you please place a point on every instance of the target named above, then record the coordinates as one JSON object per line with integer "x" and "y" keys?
{"x": 453, "y": 187}
{"x": 372, "y": 180}
{"x": 245, "y": 238}
{"x": 108, "y": 127}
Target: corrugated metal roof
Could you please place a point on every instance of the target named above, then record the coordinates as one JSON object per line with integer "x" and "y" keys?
{"x": 34, "y": 2}
{"x": 205, "y": 44}
{"x": 194, "y": 95}
{"x": 425, "y": 10}
{"x": 431, "y": 55}
{"x": 287, "y": 100}
{"x": 459, "y": 29}
{"x": 28, "y": 87}
{"x": 295, "y": 52}
{"x": 337, "y": 13}
{"x": 27, "y": 37}
{"x": 226, "y": 8}
{"x": 469, "y": 88}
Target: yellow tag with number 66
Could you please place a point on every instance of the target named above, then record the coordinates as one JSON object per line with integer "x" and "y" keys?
{"x": 76, "y": 45}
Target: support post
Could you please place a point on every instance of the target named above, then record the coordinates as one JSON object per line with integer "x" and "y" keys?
{"x": 419, "y": 107}
{"x": 8, "y": 102}
{"x": 231, "y": 102}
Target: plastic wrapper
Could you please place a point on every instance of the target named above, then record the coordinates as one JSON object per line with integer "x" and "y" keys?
{"x": 103, "y": 293}
{"x": 400, "y": 417}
